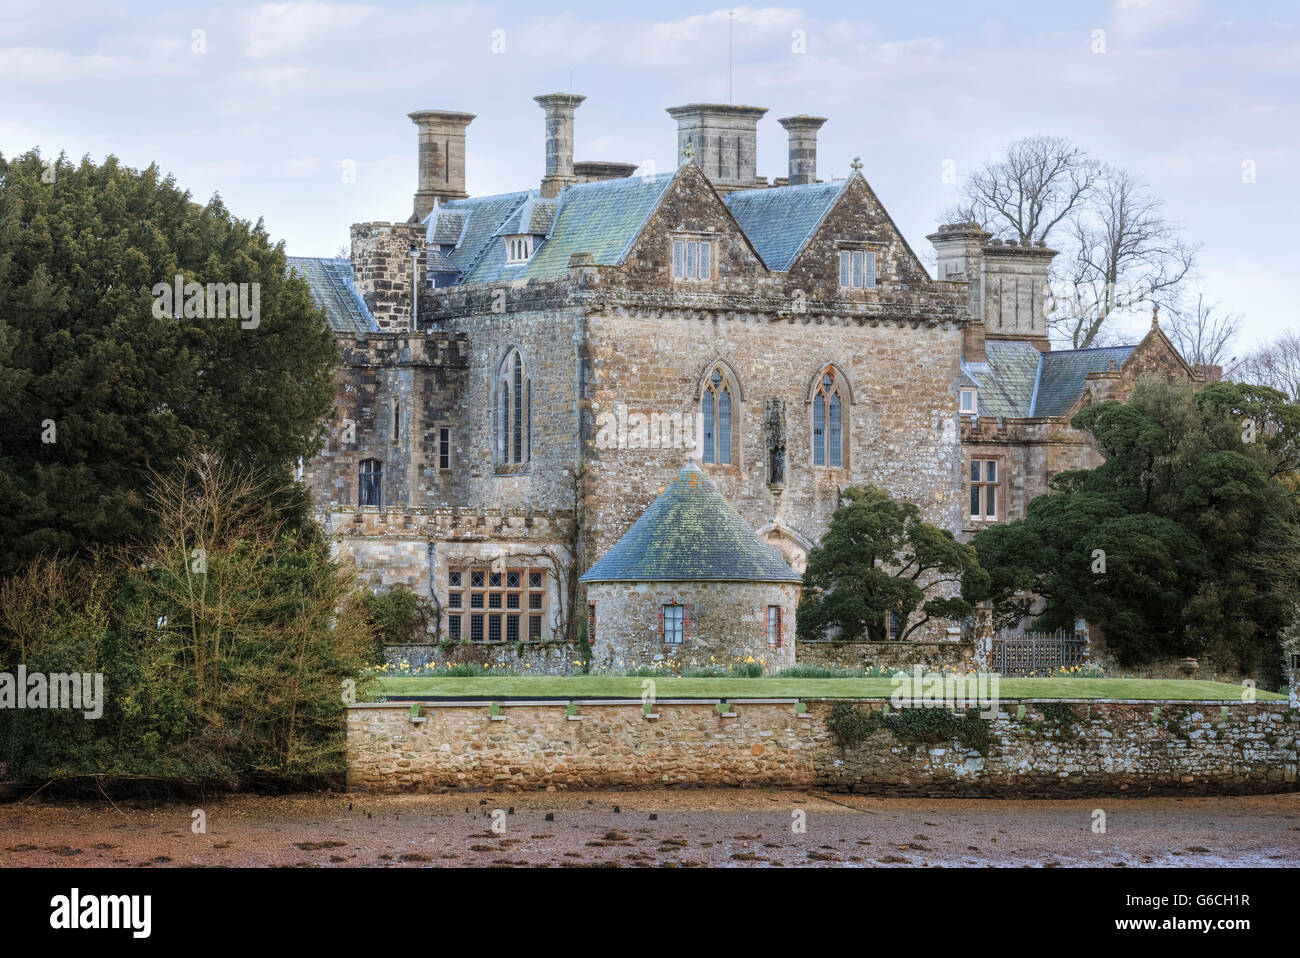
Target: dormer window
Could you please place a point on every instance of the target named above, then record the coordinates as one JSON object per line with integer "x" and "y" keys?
{"x": 518, "y": 249}
{"x": 857, "y": 269}
{"x": 693, "y": 259}
{"x": 969, "y": 401}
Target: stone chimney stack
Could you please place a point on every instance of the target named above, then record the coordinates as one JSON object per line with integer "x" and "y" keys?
{"x": 723, "y": 140}
{"x": 442, "y": 158}
{"x": 1008, "y": 281}
{"x": 559, "y": 109}
{"x": 803, "y": 147}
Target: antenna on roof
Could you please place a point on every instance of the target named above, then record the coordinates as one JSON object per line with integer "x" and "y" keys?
{"x": 730, "y": 71}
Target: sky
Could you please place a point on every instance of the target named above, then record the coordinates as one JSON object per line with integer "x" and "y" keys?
{"x": 295, "y": 112}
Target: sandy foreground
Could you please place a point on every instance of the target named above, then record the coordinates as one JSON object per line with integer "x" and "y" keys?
{"x": 668, "y": 828}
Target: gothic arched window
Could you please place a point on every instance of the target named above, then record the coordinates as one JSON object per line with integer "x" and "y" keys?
{"x": 370, "y": 483}
{"x": 717, "y": 402}
{"x": 514, "y": 392}
{"x": 829, "y": 427}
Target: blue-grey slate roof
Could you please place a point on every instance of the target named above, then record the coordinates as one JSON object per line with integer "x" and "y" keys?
{"x": 444, "y": 226}
{"x": 331, "y": 286}
{"x": 778, "y": 221}
{"x": 1006, "y": 381}
{"x": 1065, "y": 373}
{"x": 602, "y": 218}
{"x": 1021, "y": 382}
{"x": 690, "y": 533}
{"x": 486, "y": 214}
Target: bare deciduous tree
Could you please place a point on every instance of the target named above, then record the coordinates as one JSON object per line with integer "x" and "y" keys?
{"x": 1275, "y": 364}
{"x": 1117, "y": 248}
{"x": 1203, "y": 332}
{"x": 1121, "y": 251}
{"x": 1038, "y": 183}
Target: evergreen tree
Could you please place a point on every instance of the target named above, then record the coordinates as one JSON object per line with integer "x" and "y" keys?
{"x": 96, "y": 389}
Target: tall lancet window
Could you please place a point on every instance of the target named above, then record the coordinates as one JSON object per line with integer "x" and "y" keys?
{"x": 716, "y": 411}
{"x": 828, "y": 422}
{"x": 513, "y": 436}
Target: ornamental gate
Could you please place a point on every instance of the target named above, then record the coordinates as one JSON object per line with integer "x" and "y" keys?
{"x": 1038, "y": 653}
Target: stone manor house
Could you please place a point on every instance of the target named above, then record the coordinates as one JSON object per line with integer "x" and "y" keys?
{"x": 633, "y": 400}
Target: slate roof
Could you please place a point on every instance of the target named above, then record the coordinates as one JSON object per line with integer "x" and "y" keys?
{"x": 444, "y": 226}
{"x": 1020, "y": 382}
{"x": 484, "y": 215}
{"x": 601, "y": 218}
{"x": 1007, "y": 380}
{"x": 331, "y": 286}
{"x": 778, "y": 221}
{"x": 691, "y": 533}
{"x": 1064, "y": 376}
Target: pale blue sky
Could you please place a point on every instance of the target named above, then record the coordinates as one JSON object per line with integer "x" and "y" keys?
{"x": 283, "y": 95}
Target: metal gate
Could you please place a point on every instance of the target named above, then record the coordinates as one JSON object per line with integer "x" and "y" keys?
{"x": 1038, "y": 653}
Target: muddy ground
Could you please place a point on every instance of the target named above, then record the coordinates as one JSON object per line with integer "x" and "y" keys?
{"x": 670, "y": 828}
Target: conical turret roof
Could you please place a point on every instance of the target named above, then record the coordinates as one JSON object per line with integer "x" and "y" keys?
{"x": 691, "y": 534}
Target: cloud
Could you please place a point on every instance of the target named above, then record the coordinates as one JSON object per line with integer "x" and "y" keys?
{"x": 286, "y": 29}
{"x": 1136, "y": 20}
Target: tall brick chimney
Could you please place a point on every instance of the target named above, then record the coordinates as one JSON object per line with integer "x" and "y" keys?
{"x": 559, "y": 109}
{"x": 724, "y": 140}
{"x": 803, "y": 147}
{"x": 442, "y": 158}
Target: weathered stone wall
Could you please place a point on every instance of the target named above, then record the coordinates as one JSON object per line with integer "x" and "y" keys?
{"x": 394, "y": 392}
{"x": 724, "y": 623}
{"x": 932, "y": 656}
{"x": 1119, "y": 748}
{"x": 383, "y": 272}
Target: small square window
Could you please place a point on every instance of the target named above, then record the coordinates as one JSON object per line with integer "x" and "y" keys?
{"x": 494, "y": 600}
{"x": 453, "y": 600}
{"x": 535, "y": 600}
{"x": 512, "y": 580}
{"x": 969, "y": 401}
{"x": 476, "y": 580}
{"x": 534, "y": 580}
{"x": 512, "y": 600}
{"x": 453, "y": 579}
{"x": 494, "y": 580}
{"x": 476, "y": 600}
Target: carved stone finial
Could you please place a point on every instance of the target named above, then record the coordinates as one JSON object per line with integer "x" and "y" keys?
{"x": 689, "y": 151}
{"x": 856, "y": 165}
{"x": 1155, "y": 314}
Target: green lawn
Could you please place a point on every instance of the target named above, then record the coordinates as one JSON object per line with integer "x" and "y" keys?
{"x": 613, "y": 686}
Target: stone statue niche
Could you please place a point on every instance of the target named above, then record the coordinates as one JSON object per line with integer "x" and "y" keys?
{"x": 774, "y": 434}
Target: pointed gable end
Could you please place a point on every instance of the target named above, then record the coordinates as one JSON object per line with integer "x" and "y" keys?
{"x": 856, "y": 219}
{"x": 691, "y": 208}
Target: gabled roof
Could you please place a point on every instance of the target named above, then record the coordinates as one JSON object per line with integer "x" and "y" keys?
{"x": 485, "y": 215}
{"x": 331, "y": 286}
{"x": 1020, "y": 382}
{"x": 601, "y": 218}
{"x": 1065, "y": 376}
{"x": 534, "y": 216}
{"x": 778, "y": 221}
{"x": 690, "y": 533}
